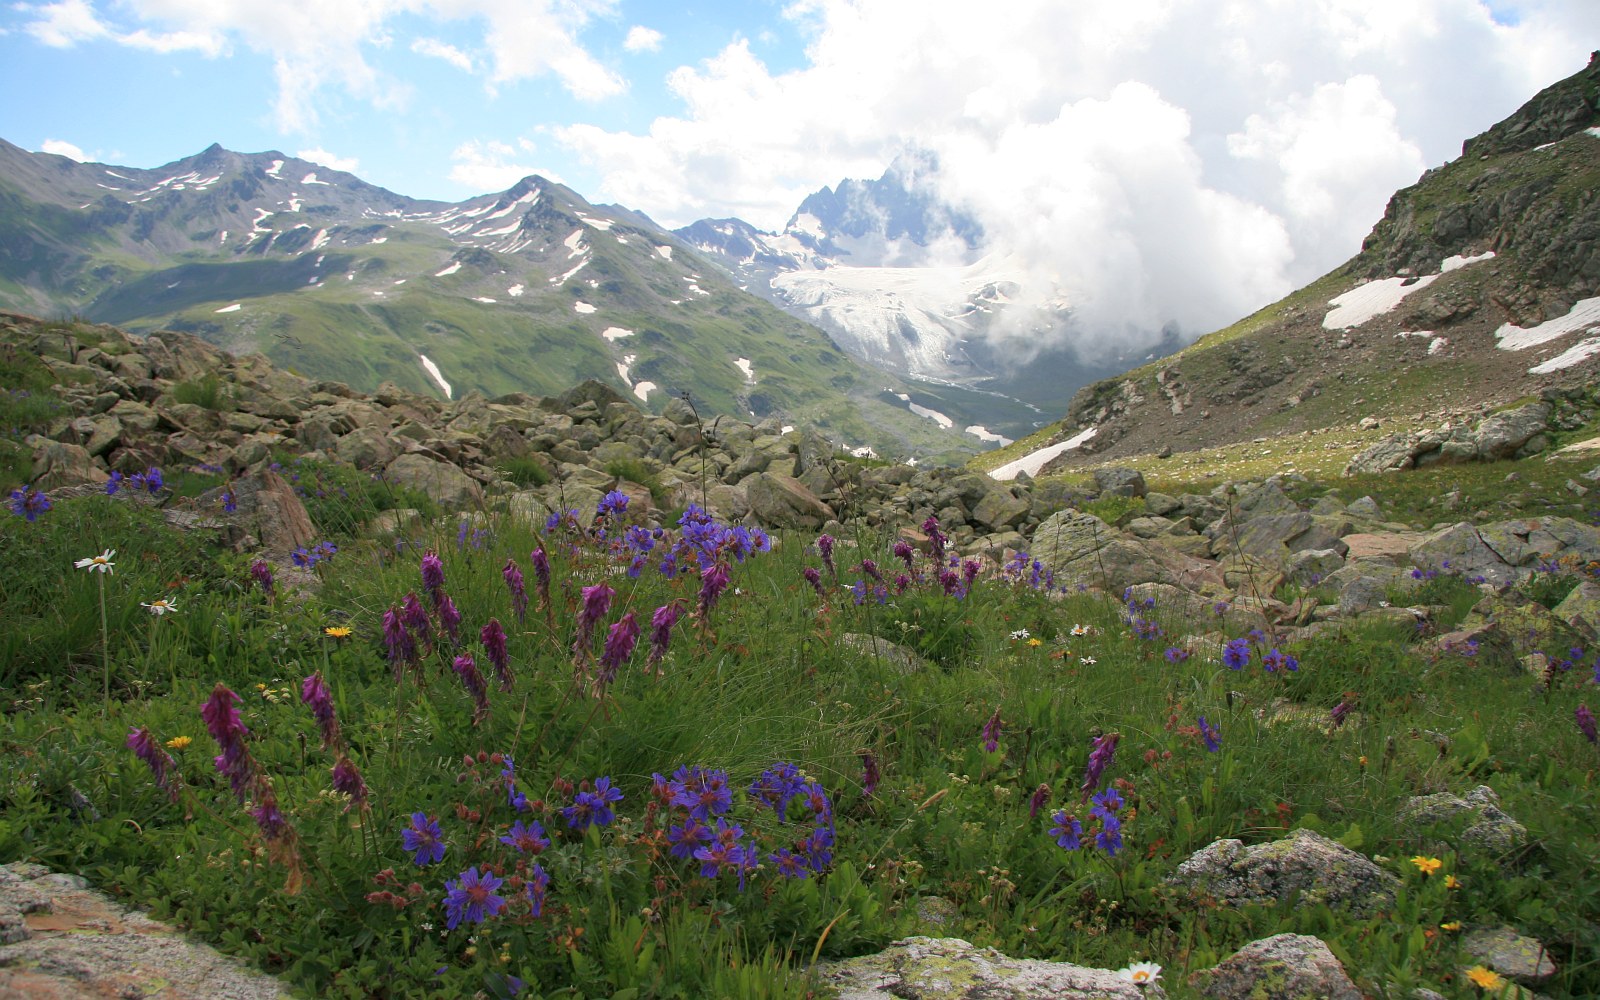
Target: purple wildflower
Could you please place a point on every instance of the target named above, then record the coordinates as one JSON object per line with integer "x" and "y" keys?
{"x": 1037, "y": 800}
{"x": 904, "y": 552}
{"x": 449, "y": 617}
{"x": 113, "y": 483}
{"x": 1340, "y": 711}
{"x": 415, "y": 618}
{"x": 1236, "y": 654}
{"x": 162, "y": 766}
{"x": 519, "y": 590}
{"x": 261, "y": 573}
{"x": 1209, "y": 734}
{"x": 1176, "y": 654}
{"x": 936, "y": 539}
{"x": 401, "y": 647}
{"x": 620, "y": 640}
{"x": 433, "y": 575}
{"x": 1586, "y": 723}
{"x": 869, "y": 775}
{"x": 29, "y": 503}
{"x": 870, "y": 568}
{"x": 347, "y": 779}
{"x": 268, "y": 816}
{"x": 991, "y": 732}
{"x": 471, "y": 899}
{"x": 593, "y": 808}
{"x": 1105, "y": 747}
{"x": 541, "y": 576}
{"x": 705, "y": 793}
{"x": 493, "y": 638}
{"x": 537, "y": 884}
{"x": 230, "y": 502}
{"x": 596, "y": 602}
{"x": 315, "y": 695}
{"x": 1068, "y": 832}
{"x": 712, "y": 584}
{"x": 1109, "y": 839}
{"x": 613, "y": 504}
{"x": 825, "y": 546}
{"x": 526, "y": 838}
{"x": 472, "y": 680}
{"x": 1274, "y": 660}
{"x": 661, "y": 623}
{"x": 687, "y": 837}
{"x": 424, "y": 839}
{"x": 814, "y": 577}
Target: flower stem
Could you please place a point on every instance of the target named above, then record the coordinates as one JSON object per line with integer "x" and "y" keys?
{"x": 105, "y": 650}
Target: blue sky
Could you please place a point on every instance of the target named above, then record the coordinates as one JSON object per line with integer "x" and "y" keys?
{"x": 1148, "y": 158}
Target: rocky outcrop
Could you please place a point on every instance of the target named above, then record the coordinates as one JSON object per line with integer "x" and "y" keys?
{"x": 921, "y": 968}
{"x": 1305, "y": 864}
{"x": 1281, "y": 967}
{"x": 1510, "y": 434}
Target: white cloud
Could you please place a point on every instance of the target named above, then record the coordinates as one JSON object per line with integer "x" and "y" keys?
{"x": 61, "y": 147}
{"x": 642, "y": 39}
{"x": 64, "y": 24}
{"x": 318, "y": 47}
{"x": 321, "y": 156}
{"x": 491, "y": 166}
{"x": 1156, "y": 161}
{"x": 436, "y": 49}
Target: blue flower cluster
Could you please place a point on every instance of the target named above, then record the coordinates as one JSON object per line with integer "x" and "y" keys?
{"x": 29, "y": 503}
{"x": 308, "y": 558}
{"x": 1068, "y": 829}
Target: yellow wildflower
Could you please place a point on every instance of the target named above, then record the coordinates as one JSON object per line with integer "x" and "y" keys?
{"x": 1451, "y": 882}
{"x": 337, "y": 631}
{"x": 1036, "y": 641}
{"x": 179, "y": 743}
{"x": 1427, "y": 866}
{"x": 1454, "y": 925}
{"x": 1484, "y": 977}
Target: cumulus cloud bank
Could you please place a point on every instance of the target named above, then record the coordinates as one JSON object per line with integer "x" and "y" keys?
{"x": 1155, "y": 163}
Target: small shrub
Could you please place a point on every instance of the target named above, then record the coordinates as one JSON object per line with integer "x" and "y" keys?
{"x": 1115, "y": 510}
{"x": 206, "y": 391}
{"x": 635, "y": 471}
{"x": 525, "y": 471}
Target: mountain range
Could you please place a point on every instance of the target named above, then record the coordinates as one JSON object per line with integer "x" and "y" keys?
{"x": 531, "y": 289}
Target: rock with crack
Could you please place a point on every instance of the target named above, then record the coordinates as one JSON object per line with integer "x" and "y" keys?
{"x": 922, "y": 968}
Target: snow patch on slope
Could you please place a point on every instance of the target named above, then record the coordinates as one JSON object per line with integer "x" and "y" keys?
{"x": 1584, "y": 314}
{"x": 643, "y": 390}
{"x": 1032, "y": 462}
{"x": 231, "y": 309}
{"x": 433, "y": 371}
{"x": 615, "y": 333}
{"x": 583, "y": 307}
{"x": 1583, "y": 350}
{"x": 452, "y": 269}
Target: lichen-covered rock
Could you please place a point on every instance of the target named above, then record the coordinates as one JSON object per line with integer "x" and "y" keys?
{"x": 1304, "y": 863}
{"x": 1509, "y": 953}
{"x": 1491, "y": 828}
{"x": 922, "y": 968}
{"x": 1281, "y": 967}
{"x": 872, "y": 647}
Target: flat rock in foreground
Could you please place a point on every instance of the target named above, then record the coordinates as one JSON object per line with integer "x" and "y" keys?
{"x": 923, "y": 968}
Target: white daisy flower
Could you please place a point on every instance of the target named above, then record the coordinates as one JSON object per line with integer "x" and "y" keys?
{"x": 160, "y": 607}
{"x": 1140, "y": 973}
{"x": 98, "y": 564}
{"x": 1080, "y": 630}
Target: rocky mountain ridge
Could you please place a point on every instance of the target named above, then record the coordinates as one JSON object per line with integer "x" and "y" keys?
{"x": 530, "y": 289}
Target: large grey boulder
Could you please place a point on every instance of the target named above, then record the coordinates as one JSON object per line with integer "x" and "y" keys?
{"x": 1081, "y": 548}
{"x": 1503, "y": 435}
{"x": 57, "y": 463}
{"x": 444, "y": 483}
{"x": 1305, "y": 863}
{"x": 922, "y": 968}
{"x": 1119, "y": 482}
{"x": 782, "y": 502}
{"x": 1509, "y": 953}
{"x": 1281, "y": 967}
